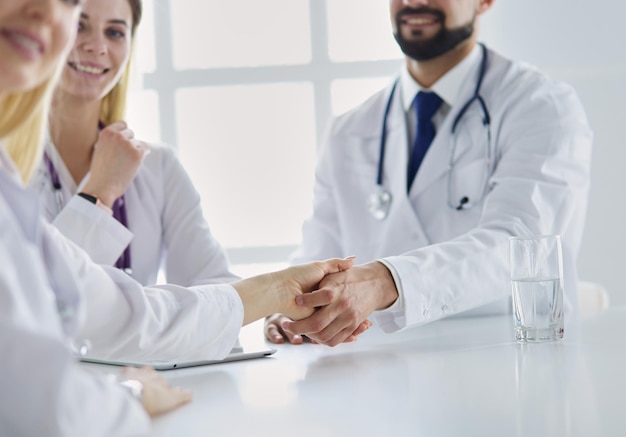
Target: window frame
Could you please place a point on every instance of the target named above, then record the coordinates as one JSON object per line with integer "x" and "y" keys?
{"x": 165, "y": 81}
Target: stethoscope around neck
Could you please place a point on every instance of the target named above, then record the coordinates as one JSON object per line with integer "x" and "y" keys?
{"x": 119, "y": 209}
{"x": 379, "y": 202}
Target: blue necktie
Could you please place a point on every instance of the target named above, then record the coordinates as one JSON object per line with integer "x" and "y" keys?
{"x": 426, "y": 104}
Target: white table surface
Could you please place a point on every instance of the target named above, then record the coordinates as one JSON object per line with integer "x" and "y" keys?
{"x": 455, "y": 377}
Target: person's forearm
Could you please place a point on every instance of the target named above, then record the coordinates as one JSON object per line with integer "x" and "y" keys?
{"x": 276, "y": 292}
{"x": 259, "y": 297}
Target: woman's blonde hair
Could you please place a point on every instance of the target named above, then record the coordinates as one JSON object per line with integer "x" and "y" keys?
{"x": 113, "y": 105}
{"x": 23, "y": 118}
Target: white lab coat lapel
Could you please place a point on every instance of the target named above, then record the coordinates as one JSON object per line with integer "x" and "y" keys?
{"x": 26, "y": 207}
{"x": 402, "y": 214}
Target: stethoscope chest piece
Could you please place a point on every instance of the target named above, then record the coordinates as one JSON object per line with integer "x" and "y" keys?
{"x": 379, "y": 203}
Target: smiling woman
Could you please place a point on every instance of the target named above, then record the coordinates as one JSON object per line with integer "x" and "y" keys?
{"x": 101, "y": 56}
{"x": 34, "y": 36}
{"x": 93, "y": 156}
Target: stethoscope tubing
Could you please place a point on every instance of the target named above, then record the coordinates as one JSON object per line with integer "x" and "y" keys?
{"x": 486, "y": 122}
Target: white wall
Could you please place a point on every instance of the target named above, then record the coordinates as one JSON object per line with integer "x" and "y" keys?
{"x": 582, "y": 43}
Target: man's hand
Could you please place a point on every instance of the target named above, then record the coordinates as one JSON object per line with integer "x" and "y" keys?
{"x": 159, "y": 396}
{"x": 275, "y": 333}
{"x": 305, "y": 278}
{"x": 346, "y": 299}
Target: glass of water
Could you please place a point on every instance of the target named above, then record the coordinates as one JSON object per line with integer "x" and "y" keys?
{"x": 537, "y": 285}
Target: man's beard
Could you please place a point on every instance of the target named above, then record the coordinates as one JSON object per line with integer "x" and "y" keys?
{"x": 444, "y": 41}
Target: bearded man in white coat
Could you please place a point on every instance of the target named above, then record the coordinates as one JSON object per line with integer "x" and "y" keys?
{"x": 510, "y": 157}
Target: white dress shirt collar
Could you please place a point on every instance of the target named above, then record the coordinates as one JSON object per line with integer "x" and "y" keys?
{"x": 447, "y": 87}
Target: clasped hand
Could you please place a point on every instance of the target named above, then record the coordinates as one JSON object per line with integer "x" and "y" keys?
{"x": 341, "y": 305}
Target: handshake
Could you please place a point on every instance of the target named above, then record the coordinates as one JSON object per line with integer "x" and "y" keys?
{"x": 329, "y": 301}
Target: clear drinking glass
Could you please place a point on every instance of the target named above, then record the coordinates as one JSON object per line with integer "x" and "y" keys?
{"x": 537, "y": 286}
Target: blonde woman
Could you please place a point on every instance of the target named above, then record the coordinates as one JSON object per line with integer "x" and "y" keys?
{"x": 140, "y": 214}
{"x": 45, "y": 400}
{"x": 51, "y": 293}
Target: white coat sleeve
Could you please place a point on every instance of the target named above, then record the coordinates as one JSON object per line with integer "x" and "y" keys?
{"x": 321, "y": 233}
{"x": 539, "y": 186}
{"x": 125, "y": 320}
{"x": 93, "y": 229}
{"x": 193, "y": 256}
{"x": 87, "y": 225}
{"x": 44, "y": 391}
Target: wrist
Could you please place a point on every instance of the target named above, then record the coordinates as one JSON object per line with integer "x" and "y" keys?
{"x": 281, "y": 296}
{"x": 386, "y": 284}
{"x": 96, "y": 201}
{"x": 257, "y": 295}
{"x": 102, "y": 193}
{"x": 134, "y": 387}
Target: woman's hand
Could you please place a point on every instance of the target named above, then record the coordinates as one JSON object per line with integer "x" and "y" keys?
{"x": 116, "y": 158}
{"x": 158, "y": 396}
{"x": 274, "y": 332}
{"x": 276, "y": 292}
{"x": 305, "y": 278}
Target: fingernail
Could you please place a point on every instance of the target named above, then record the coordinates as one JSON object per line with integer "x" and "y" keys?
{"x": 350, "y": 257}
{"x": 299, "y": 300}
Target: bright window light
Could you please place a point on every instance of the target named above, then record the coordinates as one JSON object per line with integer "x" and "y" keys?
{"x": 251, "y": 150}
{"x": 349, "y": 93}
{"x": 245, "y": 90}
{"x": 221, "y": 33}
